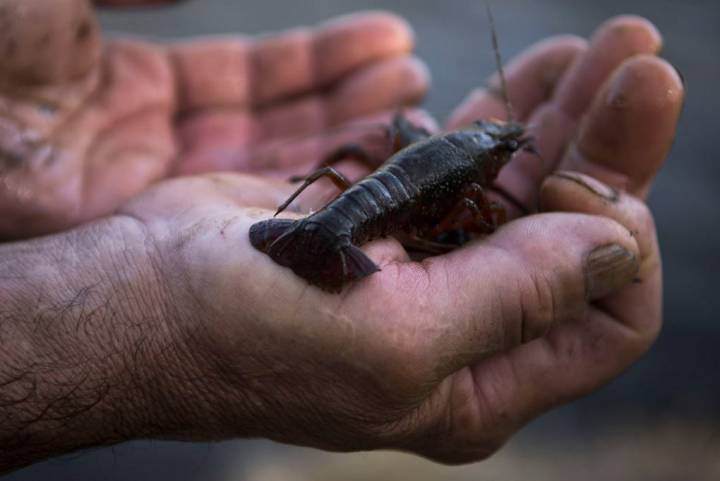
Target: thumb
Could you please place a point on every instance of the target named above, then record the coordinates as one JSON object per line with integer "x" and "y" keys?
{"x": 533, "y": 273}
{"x": 46, "y": 42}
{"x": 545, "y": 267}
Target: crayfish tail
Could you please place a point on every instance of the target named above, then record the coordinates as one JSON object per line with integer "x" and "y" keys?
{"x": 357, "y": 264}
{"x": 317, "y": 255}
{"x": 264, "y": 233}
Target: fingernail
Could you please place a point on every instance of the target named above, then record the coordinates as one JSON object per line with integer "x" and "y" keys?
{"x": 607, "y": 269}
{"x": 590, "y": 184}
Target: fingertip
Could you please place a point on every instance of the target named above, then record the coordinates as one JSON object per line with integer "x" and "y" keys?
{"x": 629, "y": 130}
{"x": 568, "y": 191}
{"x": 633, "y": 30}
{"x": 612, "y": 43}
{"x": 399, "y": 32}
{"x": 649, "y": 82}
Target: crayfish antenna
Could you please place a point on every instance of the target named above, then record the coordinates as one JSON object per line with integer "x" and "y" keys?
{"x": 498, "y": 63}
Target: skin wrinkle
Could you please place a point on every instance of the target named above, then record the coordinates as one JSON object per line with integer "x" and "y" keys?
{"x": 612, "y": 196}
{"x": 47, "y": 97}
{"x": 97, "y": 143}
{"x": 489, "y": 400}
{"x": 54, "y": 101}
{"x": 168, "y": 351}
{"x": 500, "y": 307}
{"x": 42, "y": 415}
{"x": 544, "y": 315}
{"x": 182, "y": 111}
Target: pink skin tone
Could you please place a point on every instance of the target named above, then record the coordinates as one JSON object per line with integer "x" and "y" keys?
{"x": 209, "y": 339}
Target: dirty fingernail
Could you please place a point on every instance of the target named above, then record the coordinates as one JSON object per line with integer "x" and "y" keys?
{"x": 607, "y": 269}
{"x": 594, "y": 186}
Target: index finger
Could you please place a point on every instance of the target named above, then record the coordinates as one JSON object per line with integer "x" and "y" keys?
{"x": 252, "y": 73}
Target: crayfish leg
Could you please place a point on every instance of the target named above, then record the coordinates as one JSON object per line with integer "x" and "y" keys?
{"x": 485, "y": 215}
{"x": 336, "y": 177}
{"x": 344, "y": 152}
{"x": 403, "y": 133}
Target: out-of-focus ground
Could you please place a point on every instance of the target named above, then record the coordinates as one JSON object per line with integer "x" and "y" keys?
{"x": 627, "y": 454}
{"x": 661, "y": 420}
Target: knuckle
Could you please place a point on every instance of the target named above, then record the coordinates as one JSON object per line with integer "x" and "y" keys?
{"x": 539, "y": 306}
{"x": 544, "y": 301}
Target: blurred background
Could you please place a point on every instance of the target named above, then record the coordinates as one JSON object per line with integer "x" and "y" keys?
{"x": 659, "y": 421}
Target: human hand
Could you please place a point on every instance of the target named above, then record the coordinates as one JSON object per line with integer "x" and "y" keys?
{"x": 85, "y": 125}
{"x": 449, "y": 356}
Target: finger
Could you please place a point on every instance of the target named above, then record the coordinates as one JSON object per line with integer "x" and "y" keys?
{"x": 531, "y": 79}
{"x": 554, "y": 123}
{"x": 46, "y": 42}
{"x": 630, "y": 128}
{"x": 239, "y": 72}
{"x": 220, "y": 139}
{"x": 512, "y": 287}
{"x": 385, "y": 85}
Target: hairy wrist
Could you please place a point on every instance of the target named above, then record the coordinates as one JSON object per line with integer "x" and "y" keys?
{"x": 84, "y": 339}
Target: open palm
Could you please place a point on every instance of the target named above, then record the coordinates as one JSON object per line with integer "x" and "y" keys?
{"x": 84, "y": 125}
